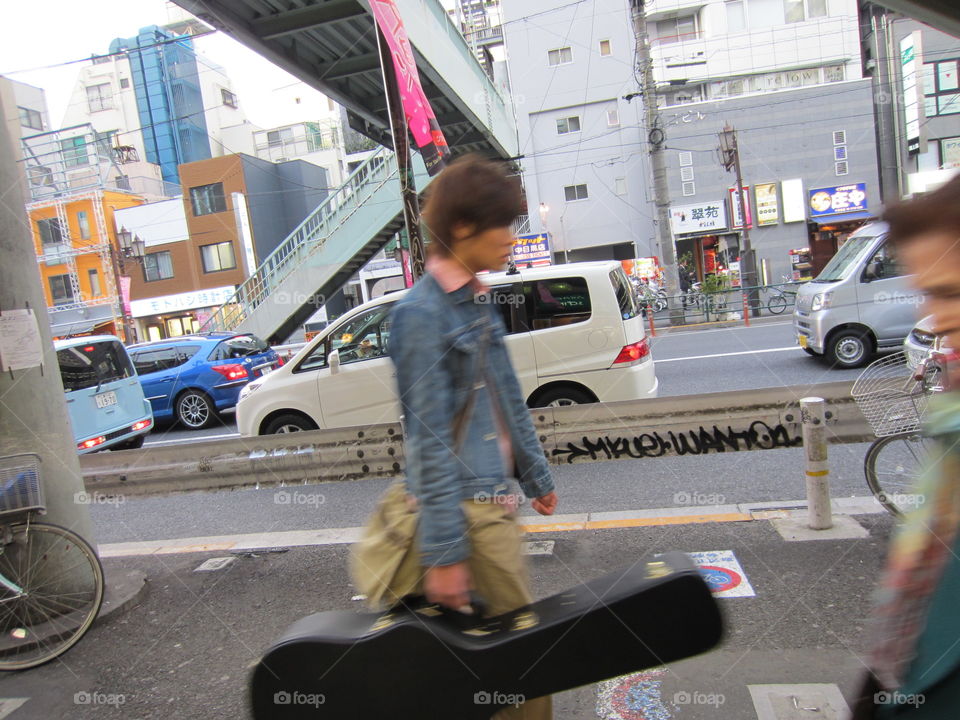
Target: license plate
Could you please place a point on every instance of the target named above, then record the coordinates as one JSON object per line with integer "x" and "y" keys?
{"x": 106, "y": 399}
{"x": 265, "y": 371}
{"x": 802, "y": 339}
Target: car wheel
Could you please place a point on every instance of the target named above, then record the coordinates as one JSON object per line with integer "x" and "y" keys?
{"x": 195, "y": 409}
{"x": 561, "y": 397}
{"x": 848, "y": 349}
{"x": 289, "y": 423}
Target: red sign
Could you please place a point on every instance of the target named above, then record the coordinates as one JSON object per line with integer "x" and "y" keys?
{"x": 125, "y": 293}
{"x": 420, "y": 118}
{"x": 736, "y": 217}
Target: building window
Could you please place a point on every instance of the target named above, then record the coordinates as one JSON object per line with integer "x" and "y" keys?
{"x": 800, "y": 10}
{"x": 613, "y": 117}
{"x": 940, "y": 88}
{"x": 736, "y": 20}
{"x": 61, "y": 289}
{"x": 218, "y": 256}
{"x": 30, "y": 118}
{"x": 605, "y": 48}
{"x": 276, "y": 138}
{"x": 620, "y": 186}
{"x": 99, "y": 97}
{"x": 560, "y": 56}
{"x": 83, "y": 222}
{"x": 208, "y": 199}
{"x": 124, "y": 83}
{"x": 950, "y": 152}
{"x": 157, "y": 266}
{"x": 74, "y": 152}
{"x": 50, "y": 231}
{"x": 229, "y": 99}
{"x": 104, "y": 141}
{"x": 568, "y": 125}
{"x": 94, "y": 276}
{"x": 575, "y": 192}
{"x": 677, "y": 29}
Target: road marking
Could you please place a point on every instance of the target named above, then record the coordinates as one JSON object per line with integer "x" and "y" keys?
{"x": 667, "y": 334}
{"x": 732, "y": 354}
{"x": 8, "y": 705}
{"x": 198, "y": 438}
{"x": 723, "y": 573}
{"x": 809, "y": 700}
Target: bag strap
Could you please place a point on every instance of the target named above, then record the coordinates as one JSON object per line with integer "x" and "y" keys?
{"x": 462, "y": 417}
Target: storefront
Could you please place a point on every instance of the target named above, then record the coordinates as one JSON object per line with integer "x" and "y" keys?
{"x": 174, "y": 315}
{"x": 835, "y": 213}
{"x": 704, "y": 242}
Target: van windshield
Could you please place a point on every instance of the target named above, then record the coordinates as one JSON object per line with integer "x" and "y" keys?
{"x": 846, "y": 260}
{"x": 93, "y": 364}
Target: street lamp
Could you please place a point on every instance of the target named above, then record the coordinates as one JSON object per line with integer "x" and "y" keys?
{"x": 133, "y": 248}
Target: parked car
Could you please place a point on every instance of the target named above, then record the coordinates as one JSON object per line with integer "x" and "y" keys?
{"x": 921, "y": 341}
{"x": 105, "y": 402}
{"x": 191, "y": 378}
{"x": 575, "y": 334}
{"x": 861, "y": 302}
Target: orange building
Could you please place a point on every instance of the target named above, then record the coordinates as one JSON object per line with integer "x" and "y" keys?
{"x": 77, "y": 251}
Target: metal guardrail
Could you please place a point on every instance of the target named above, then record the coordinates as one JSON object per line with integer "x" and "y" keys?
{"x": 762, "y": 301}
{"x": 723, "y": 422}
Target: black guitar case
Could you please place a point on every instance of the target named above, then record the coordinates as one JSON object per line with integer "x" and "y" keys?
{"x": 418, "y": 662}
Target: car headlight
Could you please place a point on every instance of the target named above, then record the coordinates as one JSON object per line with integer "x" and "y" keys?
{"x": 821, "y": 301}
{"x": 249, "y": 388}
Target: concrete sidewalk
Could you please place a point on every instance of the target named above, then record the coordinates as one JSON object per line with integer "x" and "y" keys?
{"x": 795, "y": 614}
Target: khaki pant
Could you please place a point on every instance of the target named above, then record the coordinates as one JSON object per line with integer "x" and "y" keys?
{"x": 499, "y": 576}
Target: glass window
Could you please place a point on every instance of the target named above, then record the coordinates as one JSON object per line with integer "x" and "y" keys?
{"x": 124, "y": 83}
{"x": 886, "y": 262}
{"x": 317, "y": 358}
{"x": 940, "y": 85}
{"x": 568, "y": 125}
{"x": 604, "y": 48}
{"x": 157, "y": 266}
{"x": 207, "y": 199}
{"x": 229, "y": 99}
{"x": 240, "y": 346}
{"x": 948, "y": 104}
{"x": 793, "y": 11}
{"x": 950, "y": 152}
{"x": 218, "y": 256}
{"x": 557, "y": 301}
{"x": 157, "y": 359}
{"x": 61, "y": 289}
{"x": 87, "y": 366}
{"x": 620, "y": 186}
{"x": 74, "y": 152}
{"x": 363, "y": 337}
{"x": 613, "y": 117}
{"x": 99, "y": 97}
{"x": 626, "y": 297}
{"x": 947, "y": 75}
{"x": 507, "y": 301}
{"x": 575, "y": 192}
{"x": 560, "y": 56}
{"x": 30, "y": 118}
{"x": 50, "y": 231}
{"x": 765, "y": 13}
{"x": 83, "y": 221}
{"x": 816, "y": 8}
{"x": 93, "y": 275}
{"x": 736, "y": 21}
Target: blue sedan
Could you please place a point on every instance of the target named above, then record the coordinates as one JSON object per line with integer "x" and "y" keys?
{"x": 193, "y": 377}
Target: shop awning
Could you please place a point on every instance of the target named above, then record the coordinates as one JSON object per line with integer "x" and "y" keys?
{"x": 842, "y": 218}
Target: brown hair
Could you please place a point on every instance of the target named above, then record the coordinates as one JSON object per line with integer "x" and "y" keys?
{"x": 938, "y": 210}
{"x": 474, "y": 191}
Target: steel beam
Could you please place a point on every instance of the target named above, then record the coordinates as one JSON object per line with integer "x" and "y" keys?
{"x": 294, "y": 21}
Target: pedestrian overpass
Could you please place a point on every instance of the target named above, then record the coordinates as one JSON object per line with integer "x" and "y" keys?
{"x": 331, "y": 45}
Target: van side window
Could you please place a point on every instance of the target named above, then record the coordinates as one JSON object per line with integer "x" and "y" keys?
{"x": 86, "y": 366}
{"x": 556, "y": 301}
{"x": 151, "y": 360}
{"x": 887, "y": 262}
{"x": 363, "y": 337}
{"x": 507, "y": 302}
{"x": 626, "y": 296}
{"x": 316, "y": 359}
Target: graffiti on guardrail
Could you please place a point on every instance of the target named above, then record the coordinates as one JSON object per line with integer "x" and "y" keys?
{"x": 759, "y": 436}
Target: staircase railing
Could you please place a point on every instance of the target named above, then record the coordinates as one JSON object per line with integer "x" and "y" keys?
{"x": 306, "y": 239}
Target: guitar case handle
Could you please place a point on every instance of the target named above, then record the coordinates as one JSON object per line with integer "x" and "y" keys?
{"x": 469, "y": 617}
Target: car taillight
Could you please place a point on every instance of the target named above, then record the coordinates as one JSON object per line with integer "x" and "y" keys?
{"x": 141, "y": 424}
{"x": 632, "y": 353}
{"x": 92, "y": 442}
{"x": 232, "y": 371}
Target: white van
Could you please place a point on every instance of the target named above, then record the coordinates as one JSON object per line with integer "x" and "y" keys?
{"x": 575, "y": 335}
{"x": 861, "y": 302}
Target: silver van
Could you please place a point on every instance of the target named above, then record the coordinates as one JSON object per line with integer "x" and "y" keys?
{"x": 861, "y": 302}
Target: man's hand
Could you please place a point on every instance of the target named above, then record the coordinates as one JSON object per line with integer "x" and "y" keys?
{"x": 448, "y": 585}
{"x": 545, "y": 504}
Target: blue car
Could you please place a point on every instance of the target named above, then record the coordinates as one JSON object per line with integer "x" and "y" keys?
{"x": 193, "y": 377}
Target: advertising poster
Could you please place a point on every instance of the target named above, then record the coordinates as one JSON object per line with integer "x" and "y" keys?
{"x": 768, "y": 209}
{"x": 531, "y": 249}
{"x": 698, "y": 218}
{"x": 736, "y": 221}
{"x": 838, "y": 200}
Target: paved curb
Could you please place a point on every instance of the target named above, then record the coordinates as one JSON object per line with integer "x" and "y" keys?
{"x": 124, "y": 589}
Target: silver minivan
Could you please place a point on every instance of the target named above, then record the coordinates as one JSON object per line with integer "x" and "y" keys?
{"x": 861, "y": 302}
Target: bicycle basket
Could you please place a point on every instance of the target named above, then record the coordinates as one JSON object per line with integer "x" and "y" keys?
{"x": 889, "y": 396}
{"x": 20, "y": 484}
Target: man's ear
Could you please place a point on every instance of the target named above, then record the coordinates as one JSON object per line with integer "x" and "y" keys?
{"x": 463, "y": 230}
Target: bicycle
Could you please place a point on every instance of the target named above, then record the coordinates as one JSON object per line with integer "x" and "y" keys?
{"x": 893, "y": 398}
{"x": 51, "y": 581}
{"x": 780, "y": 299}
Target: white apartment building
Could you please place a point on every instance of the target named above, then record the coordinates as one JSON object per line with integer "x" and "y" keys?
{"x": 25, "y": 113}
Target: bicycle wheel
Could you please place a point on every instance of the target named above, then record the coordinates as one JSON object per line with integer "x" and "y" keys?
{"x": 892, "y": 467}
{"x": 61, "y": 582}
{"x": 777, "y": 304}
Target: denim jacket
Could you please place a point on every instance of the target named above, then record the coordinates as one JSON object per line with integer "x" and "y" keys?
{"x": 434, "y": 342}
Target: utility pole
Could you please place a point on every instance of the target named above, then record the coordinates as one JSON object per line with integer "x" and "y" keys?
{"x": 33, "y": 410}
{"x": 731, "y": 160}
{"x": 658, "y": 163}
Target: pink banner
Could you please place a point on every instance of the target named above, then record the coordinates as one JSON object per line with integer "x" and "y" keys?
{"x": 420, "y": 118}
{"x": 125, "y": 292}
